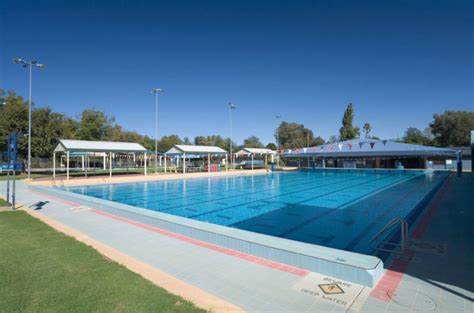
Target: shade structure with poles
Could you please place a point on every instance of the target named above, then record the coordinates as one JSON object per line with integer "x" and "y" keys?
{"x": 186, "y": 151}
{"x": 110, "y": 148}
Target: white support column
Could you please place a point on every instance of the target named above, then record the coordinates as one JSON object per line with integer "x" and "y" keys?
{"x": 161, "y": 157}
{"x": 54, "y": 164}
{"x": 145, "y": 165}
{"x": 226, "y": 162}
{"x": 67, "y": 165}
{"x": 184, "y": 163}
{"x": 82, "y": 159}
{"x": 208, "y": 162}
{"x": 105, "y": 161}
{"x": 165, "y": 162}
{"x": 252, "y": 161}
{"x": 110, "y": 164}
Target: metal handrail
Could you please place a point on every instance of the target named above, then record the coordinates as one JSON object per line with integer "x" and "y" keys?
{"x": 403, "y": 234}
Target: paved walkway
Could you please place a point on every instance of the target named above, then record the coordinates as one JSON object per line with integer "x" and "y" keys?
{"x": 440, "y": 281}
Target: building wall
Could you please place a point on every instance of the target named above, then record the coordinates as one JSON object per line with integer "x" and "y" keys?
{"x": 369, "y": 162}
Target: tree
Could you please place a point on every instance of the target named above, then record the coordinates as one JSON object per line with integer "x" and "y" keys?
{"x": 348, "y": 131}
{"x": 294, "y": 135}
{"x": 95, "y": 125}
{"x": 47, "y": 128}
{"x": 253, "y": 142}
{"x": 215, "y": 140}
{"x": 452, "y": 128}
{"x": 271, "y": 146}
{"x": 186, "y": 141}
{"x": 333, "y": 139}
{"x": 367, "y": 128}
{"x": 415, "y": 136}
{"x": 167, "y": 142}
{"x": 13, "y": 117}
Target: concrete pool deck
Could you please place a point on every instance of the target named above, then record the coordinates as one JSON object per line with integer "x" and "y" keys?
{"x": 105, "y": 179}
{"x": 252, "y": 284}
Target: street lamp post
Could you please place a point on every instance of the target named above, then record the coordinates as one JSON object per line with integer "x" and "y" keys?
{"x": 231, "y": 108}
{"x": 29, "y": 65}
{"x": 156, "y": 91}
{"x": 277, "y": 116}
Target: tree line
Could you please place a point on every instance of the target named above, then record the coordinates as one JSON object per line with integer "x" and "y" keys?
{"x": 49, "y": 126}
{"x": 451, "y": 128}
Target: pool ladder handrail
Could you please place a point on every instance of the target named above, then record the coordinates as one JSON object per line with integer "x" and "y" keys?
{"x": 403, "y": 234}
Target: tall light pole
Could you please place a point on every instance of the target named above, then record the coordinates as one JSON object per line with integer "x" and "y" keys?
{"x": 277, "y": 116}
{"x": 29, "y": 65}
{"x": 231, "y": 108}
{"x": 156, "y": 91}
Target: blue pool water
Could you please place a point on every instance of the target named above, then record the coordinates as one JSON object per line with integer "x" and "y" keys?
{"x": 339, "y": 209}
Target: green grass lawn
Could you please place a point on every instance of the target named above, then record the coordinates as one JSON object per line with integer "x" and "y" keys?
{"x": 3, "y": 202}
{"x": 42, "y": 270}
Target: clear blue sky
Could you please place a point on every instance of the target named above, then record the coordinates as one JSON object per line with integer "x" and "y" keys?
{"x": 398, "y": 62}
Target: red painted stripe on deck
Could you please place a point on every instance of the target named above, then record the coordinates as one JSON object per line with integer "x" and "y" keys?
{"x": 393, "y": 276}
{"x": 248, "y": 257}
{"x": 425, "y": 222}
{"x": 244, "y": 256}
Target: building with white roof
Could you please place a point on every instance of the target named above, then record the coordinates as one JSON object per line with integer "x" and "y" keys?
{"x": 370, "y": 153}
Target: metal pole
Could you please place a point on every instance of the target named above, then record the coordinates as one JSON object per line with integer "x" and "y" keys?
{"x": 29, "y": 122}
{"x": 231, "y": 158}
{"x": 8, "y": 167}
{"x": 67, "y": 165}
{"x": 54, "y": 164}
{"x": 15, "y": 155}
{"x": 145, "y": 164}
{"x": 156, "y": 132}
{"x": 184, "y": 163}
{"x": 110, "y": 164}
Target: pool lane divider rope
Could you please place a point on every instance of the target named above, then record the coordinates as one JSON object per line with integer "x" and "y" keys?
{"x": 388, "y": 284}
{"x": 237, "y": 254}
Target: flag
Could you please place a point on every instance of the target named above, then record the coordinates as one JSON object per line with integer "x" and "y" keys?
{"x": 372, "y": 144}
{"x": 350, "y": 146}
{"x": 339, "y": 146}
{"x": 361, "y": 144}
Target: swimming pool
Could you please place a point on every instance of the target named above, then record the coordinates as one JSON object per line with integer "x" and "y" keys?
{"x": 340, "y": 209}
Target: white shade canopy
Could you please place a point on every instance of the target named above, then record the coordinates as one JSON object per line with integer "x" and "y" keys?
{"x": 97, "y": 146}
{"x": 255, "y": 151}
{"x": 191, "y": 149}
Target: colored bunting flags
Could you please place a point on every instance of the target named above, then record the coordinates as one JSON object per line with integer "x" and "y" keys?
{"x": 361, "y": 144}
{"x": 350, "y": 146}
{"x": 339, "y": 146}
{"x": 372, "y": 144}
